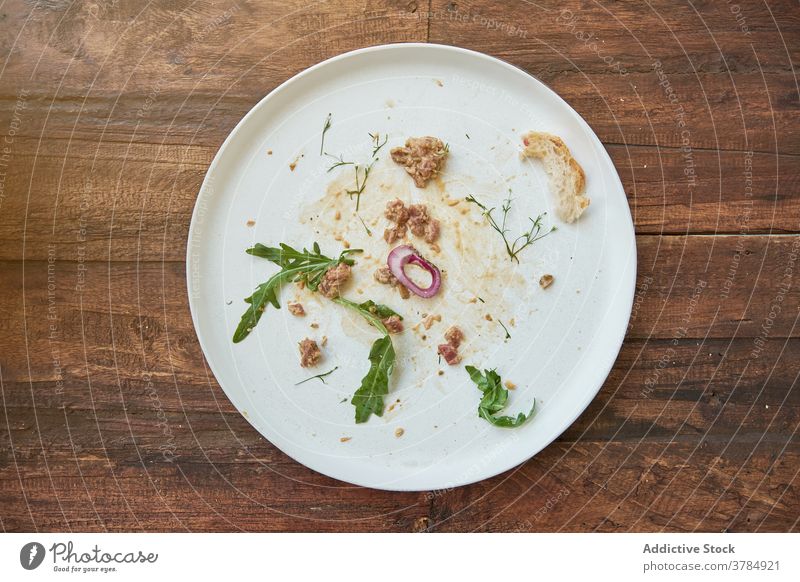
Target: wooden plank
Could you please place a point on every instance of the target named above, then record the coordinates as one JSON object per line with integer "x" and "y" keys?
{"x": 737, "y": 91}
{"x": 604, "y": 486}
{"x": 610, "y": 486}
{"x": 689, "y": 287}
{"x": 135, "y": 200}
{"x": 209, "y": 47}
{"x": 655, "y": 391}
{"x": 696, "y": 426}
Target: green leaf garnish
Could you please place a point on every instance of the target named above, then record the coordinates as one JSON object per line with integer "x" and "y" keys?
{"x": 494, "y": 398}
{"x": 310, "y": 267}
{"x": 307, "y": 266}
{"x": 368, "y": 399}
{"x": 515, "y": 247}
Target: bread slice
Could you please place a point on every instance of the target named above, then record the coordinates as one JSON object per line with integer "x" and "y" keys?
{"x": 567, "y": 180}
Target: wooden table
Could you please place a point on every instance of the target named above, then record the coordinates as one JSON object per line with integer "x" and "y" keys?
{"x": 110, "y": 114}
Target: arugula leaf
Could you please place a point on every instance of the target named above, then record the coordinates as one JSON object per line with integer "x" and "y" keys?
{"x": 495, "y": 398}
{"x": 368, "y": 399}
{"x": 307, "y": 266}
{"x": 373, "y": 312}
{"x": 264, "y": 293}
{"x": 378, "y": 309}
{"x": 310, "y": 267}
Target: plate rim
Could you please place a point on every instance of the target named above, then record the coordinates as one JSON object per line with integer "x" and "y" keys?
{"x": 206, "y": 194}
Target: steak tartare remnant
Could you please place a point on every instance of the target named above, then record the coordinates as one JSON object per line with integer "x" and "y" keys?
{"x": 422, "y": 157}
{"x": 309, "y": 353}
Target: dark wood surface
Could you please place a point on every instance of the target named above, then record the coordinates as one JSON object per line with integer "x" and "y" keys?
{"x": 109, "y": 116}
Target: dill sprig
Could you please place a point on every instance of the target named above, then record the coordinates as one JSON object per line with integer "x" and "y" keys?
{"x": 325, "y": 129}
{"x": 363, "y": 172}
{"x": 340, "y": 161}
{"x": 364, "y": 224}
{"x": 320, "y": 377}
{"x": 505, "y": 329}
{"x": 377, "y": 144}
{"x": 516, "y": 246}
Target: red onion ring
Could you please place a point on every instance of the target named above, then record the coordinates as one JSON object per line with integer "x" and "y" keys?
{"x": 405, "y": 254}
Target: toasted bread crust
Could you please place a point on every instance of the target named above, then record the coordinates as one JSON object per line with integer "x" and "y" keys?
{"x": 567, "y": 178}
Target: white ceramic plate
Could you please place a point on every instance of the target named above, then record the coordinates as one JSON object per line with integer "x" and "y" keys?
{"x": 563, "y": 340}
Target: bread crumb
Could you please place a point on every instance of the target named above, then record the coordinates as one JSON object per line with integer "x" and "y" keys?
{"x": 399, "y": 432}
{"x": 251, "y": 222}
{"x": 510, "y": 385}
{"x": 440, "y": 372}
{"x": 488, "y": 317}
{"x": 429, "y": 321}
{"x": 512, "y": 322}
{"x": 439, "y": 82}
{"x": 545, "y": 281}
{"x": 269, "y": 152}
{"x": 453, "y": 201}
{"x": 345, "y": 439}
{"x": 314, "y": 325}
{"x": 338, "y": 215}
{"x": 567, "y": 180}
{"x": 324, "y": 341}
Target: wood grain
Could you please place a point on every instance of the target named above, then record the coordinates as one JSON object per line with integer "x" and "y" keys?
{"x": 111, "y": 115}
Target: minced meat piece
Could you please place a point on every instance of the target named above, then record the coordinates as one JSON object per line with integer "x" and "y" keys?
{"x": 454, "y": 336}
{"x": 396, "y": 211}
{"x": 333, "y": 280}
{"x": 422, "y": 158}
{"x": 450, "y": 354}
{"x": 296, "y": 309}
{"x": 384, "y": 275}
{"x": 392, "y": 235}
{"x": 418, "y": 219}
{"x": 449, "y": 351}
{"x": 393, "y": 324}
{"x": 432, "y": 231}
{"x": 309, "y": 353}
